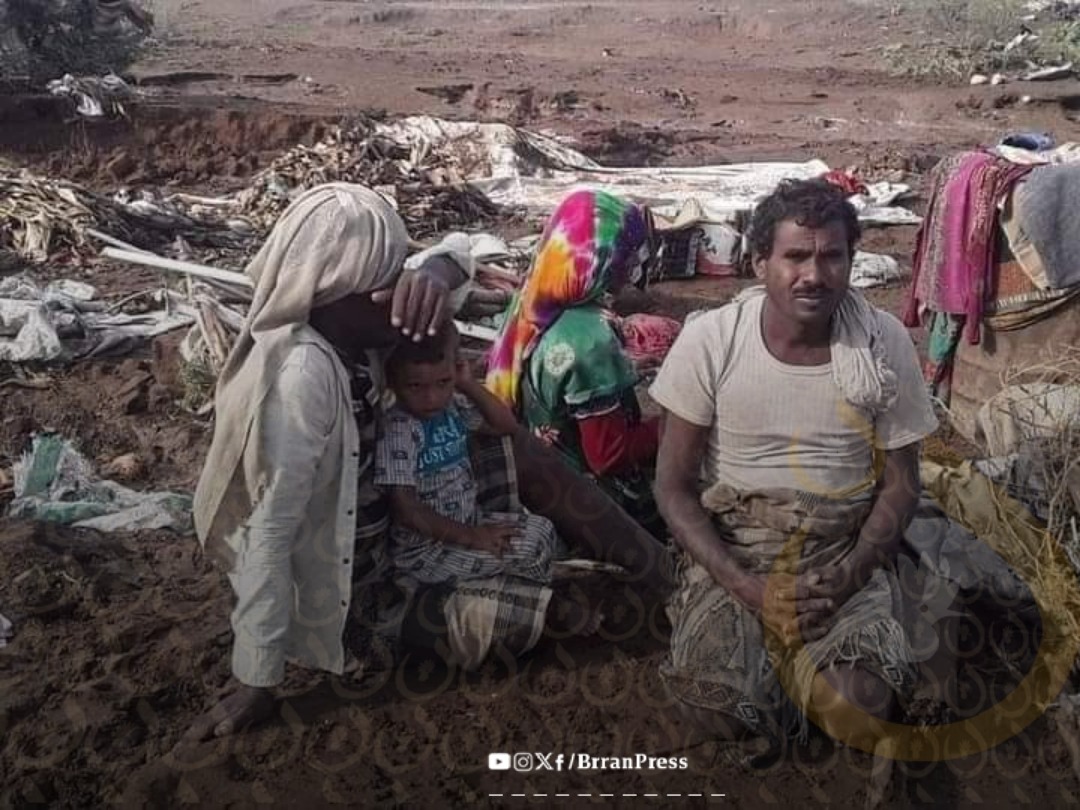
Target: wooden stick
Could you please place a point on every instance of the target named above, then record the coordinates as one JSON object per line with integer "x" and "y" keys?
{"x": 189, "y": 268}
{"x": 216, "y": 341}
{"x": 237, "y": 285}
{"x": 210, "y": 202}
{"x": 112, "y": 240}
{"x": 229, "y": 318}
{"x": 231, "y": 291}
{"x": 239, "y": 279}
{"x": 498, "y": 272}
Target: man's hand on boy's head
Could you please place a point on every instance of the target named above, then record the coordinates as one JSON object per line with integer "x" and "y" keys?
{"x": 419, "y": 302}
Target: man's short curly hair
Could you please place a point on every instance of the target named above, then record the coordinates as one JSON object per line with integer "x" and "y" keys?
{"x": 811, "y": 204}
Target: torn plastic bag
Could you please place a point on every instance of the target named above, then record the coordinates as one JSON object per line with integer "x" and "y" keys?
{"x": 55, "y": 484}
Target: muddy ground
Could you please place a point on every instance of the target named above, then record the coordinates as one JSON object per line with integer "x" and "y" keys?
{"x": 121, "y": 641}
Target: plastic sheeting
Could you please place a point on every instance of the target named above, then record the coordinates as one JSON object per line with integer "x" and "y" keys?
{"x": 515, "y": 167}
{"x": 56, "y": 484}
{"x": 875, "y": 270}
{"x": 64, "y": 320}
{"x": 1019, "y": 414}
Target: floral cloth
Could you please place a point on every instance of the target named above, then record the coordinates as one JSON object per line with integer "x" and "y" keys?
{"x": 592, "y": 244}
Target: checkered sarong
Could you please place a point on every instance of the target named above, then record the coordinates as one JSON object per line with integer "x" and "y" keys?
{"x": 450, "y": 490}
{"x": 493, "y": 467}
{"x": 529, "y": 556}
{"x": 721, "y": 658}
{"x": 469, "y": 620}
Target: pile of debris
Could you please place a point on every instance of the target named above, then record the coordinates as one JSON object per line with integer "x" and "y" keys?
{"x": 41, "y": 217}
{"x": 441, "y": 175}
{"x": 1031, "y": 430}
{"x": 429, "y": 187}
{"x": 66, "y": 320}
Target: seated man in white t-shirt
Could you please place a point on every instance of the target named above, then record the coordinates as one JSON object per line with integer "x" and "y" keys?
{"x": 788, "y": 471}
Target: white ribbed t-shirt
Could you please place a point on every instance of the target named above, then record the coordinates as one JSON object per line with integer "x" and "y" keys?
{"x": 778, "y": 425}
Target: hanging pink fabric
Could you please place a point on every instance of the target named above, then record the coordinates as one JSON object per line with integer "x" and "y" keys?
{"x": 956, "y": 251}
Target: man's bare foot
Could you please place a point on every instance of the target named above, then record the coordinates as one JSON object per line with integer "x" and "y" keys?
{"x": 571, "y": 617}
{"x": 245, "y": 707}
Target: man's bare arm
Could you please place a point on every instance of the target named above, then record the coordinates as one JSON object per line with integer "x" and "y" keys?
{"x": 678, "y": 465}
{"x": 895, "y": 502}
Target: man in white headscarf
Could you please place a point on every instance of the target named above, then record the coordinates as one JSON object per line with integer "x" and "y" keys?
{"x": 286, "y": 498}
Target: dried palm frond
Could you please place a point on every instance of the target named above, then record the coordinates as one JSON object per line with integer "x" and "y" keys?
{"x": 429, "y": 189}
{"x": 1050, "y": 437}
{"x": 39, "y": 216}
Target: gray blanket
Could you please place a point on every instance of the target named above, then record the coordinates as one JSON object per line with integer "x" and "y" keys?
{"x": 1048, "y": 207}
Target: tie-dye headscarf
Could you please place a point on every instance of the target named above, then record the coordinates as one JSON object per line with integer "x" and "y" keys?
{"x": 591, "y": 244}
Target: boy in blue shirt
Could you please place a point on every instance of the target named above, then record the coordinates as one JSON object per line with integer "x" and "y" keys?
{"x": 438, "y": 534}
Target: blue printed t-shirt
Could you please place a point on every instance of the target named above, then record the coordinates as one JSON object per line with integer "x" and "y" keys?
{"x": 433, "y": 456}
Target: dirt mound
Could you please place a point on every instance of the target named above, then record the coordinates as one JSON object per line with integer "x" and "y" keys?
{"x": 627, "y": 144}
{"x": 112, "y": 408}
{"x": 110, "y": 637}
{"x": 194, "y": 144}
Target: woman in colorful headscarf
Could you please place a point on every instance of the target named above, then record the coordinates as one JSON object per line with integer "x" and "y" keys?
{"x": 560, "y": 361}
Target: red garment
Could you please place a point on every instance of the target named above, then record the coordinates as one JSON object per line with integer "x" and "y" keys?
{"x": 648, "y": 338}
{"x": 611, "y": 444}
{"x": 848, "y": 182}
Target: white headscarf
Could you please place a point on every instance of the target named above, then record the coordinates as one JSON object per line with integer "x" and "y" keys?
{"x": 333, "y": 241}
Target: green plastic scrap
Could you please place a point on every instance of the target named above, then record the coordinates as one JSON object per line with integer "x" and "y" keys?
{"x": 55, "y": 484}
{"x": 44, "y": 459}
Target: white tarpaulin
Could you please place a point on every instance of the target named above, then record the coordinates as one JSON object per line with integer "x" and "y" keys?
{"x": 1021, "y": 414}
{"x": 64, "y": 319}
{"x": 875, "y": 270}
{"x": 519, "y": 168}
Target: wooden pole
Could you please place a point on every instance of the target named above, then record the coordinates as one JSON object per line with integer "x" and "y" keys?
{"x": 176, "y": 266}
{"x": 239, "y": 279}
